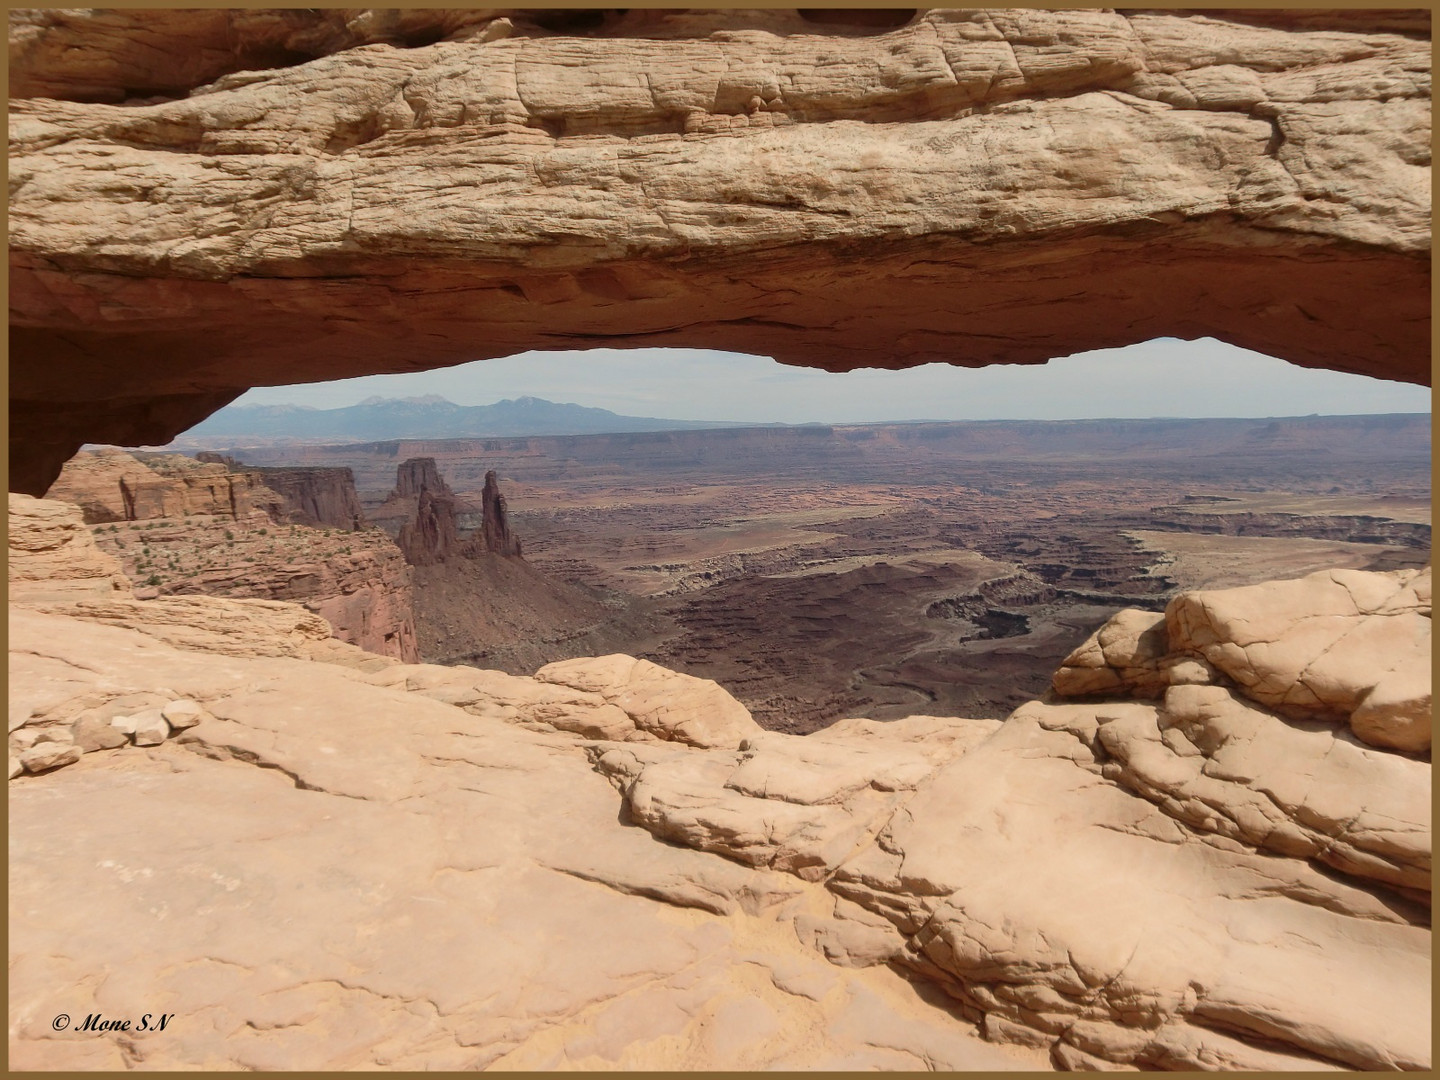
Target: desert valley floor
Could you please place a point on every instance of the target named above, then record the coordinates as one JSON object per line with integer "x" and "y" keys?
{"x": 884, "y": 570}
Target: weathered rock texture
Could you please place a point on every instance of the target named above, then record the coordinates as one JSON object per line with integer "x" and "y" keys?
{"x": 112, "y": 485}
{"x": 1343, "y": 646}
{"x": 410, "y": 866}
{"x": 193, "y": 528}
{"x": 426, "y": 511}
{"x": 423, "y": 514}
{"x": 52, "y": 554}
{"x": 353, "y": 192}
{"x": 323, "y": 498}
{"x": 416, "y": 475}
{"x": 432, "y": 536}
{"x": 494, "y": 533}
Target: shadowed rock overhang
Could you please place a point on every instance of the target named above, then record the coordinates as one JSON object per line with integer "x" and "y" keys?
{"x": 202, "y": 202}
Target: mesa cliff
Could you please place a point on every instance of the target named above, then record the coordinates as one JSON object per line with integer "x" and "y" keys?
{"x": 1175, "y": 870}
{"x": 965, "y": 186}
{"x": 114, "y": 485}
{"x": 321, "y": 498}
{"x": 179, "y": 527}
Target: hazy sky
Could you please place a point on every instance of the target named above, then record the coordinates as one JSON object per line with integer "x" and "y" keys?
{"x": 1165, "y": 377}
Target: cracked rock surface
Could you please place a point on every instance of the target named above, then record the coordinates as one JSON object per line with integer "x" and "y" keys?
{"x": 206, "y": 201}
{"x": 1338, "y": 645}
{"x": 337, "y": 860}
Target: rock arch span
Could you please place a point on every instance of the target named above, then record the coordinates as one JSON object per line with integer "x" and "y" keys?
{"x": 207, "y": 201}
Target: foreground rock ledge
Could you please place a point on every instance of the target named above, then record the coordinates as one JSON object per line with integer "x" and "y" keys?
{"x": 349, "y": 193}
{"x": 315, "y": 857}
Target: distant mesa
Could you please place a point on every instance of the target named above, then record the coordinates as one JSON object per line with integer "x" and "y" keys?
{"x": 429, "y": 416}
{"x": 315, "y": 496}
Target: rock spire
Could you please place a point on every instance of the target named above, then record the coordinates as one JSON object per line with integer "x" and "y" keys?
{"x": 495, "y": 532}
{"x": 430, "y": 533}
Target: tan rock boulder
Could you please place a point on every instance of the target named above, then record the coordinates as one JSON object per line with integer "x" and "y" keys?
{"x": 150, "y": 728}
{"x": 96, "y": 733}
{"x": 659, "y": 702}
{"x": 1122, "y": 657}
{"x": 1217, "y": 763}
{"x": 183, "y": 714}
{"x": 1341, "y": 644}
{"x": 54, "y": 557}
{"x": 49, "y": 755}
{"x": 1119, "y": 935}
{"x": 802, "y": 805}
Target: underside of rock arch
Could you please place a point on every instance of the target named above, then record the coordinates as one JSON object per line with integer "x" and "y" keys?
{"x": 205, "y": 201}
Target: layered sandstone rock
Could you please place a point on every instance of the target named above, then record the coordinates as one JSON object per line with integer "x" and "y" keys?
{"x": 423, "y": 514}
{"x": 1173, "y": 882}
{"x": 200, "y": 529}
{"x": 664, "y": 704}
{"x": 1338, "y": 645}
{"x": 514, "y": 920}
{"x": 315, "y": 496}
{"x": 53, "y": 555}
{"x": 113, "y": 485}
{"x": 358, "y": 582}
{"x": 432, "y": 535}
{"x": 320, "y": 498}
{"x": 411, "y": 190}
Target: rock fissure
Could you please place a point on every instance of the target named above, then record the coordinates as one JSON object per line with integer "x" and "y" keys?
{"x": 223, "y": 752}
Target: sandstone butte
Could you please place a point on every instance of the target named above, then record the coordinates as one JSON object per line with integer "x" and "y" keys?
{"x": 1208, "y": 848}
{"x": 1166, "y": 864}
{"x": 204, "y": 201}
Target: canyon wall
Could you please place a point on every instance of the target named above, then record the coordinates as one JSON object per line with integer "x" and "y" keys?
{"x": 358, "y": 582}
{"x": 113, "y": 485}
{"x": 322, "y": 498}
{"x": 179, "y": 527}
{"x": 413, "y": 190}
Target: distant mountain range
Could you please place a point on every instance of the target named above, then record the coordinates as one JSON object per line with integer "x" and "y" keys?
{"x": 429, "y": 417}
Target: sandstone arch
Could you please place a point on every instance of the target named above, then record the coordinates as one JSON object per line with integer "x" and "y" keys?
{"x": 353, "y": 192}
